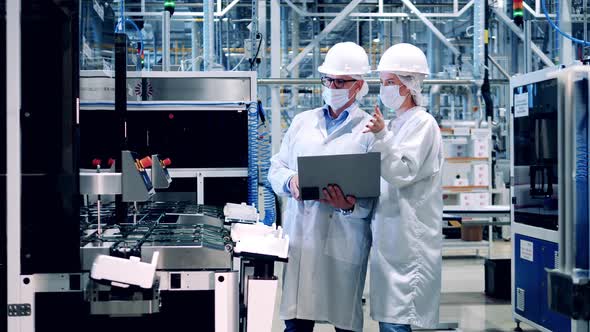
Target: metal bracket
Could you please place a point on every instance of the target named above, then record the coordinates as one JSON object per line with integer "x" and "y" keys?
{"x": 19, "y": 310}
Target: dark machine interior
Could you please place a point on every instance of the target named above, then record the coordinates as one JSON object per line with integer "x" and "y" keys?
{"x": 535, "y": 146}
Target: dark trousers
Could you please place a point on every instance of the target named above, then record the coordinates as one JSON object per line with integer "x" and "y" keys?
{"x": 302, "y": 325}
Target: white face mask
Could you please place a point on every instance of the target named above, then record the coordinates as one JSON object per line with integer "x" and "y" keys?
{"x": 336, "y": 98}
{"x": 390, "y": 96}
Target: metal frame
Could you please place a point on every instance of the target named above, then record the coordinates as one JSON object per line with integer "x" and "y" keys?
{"x": 456, "y": 12}
{"x": 165, "y": 40}
{"x": 208, "y": 35}
{"x": 218, "y": 13}
{"x": 347, "y": 11}
{"x": 492, "y": 211}
{"x": 215, "y": 172}
{"x": 314, "y": 43}
{"x": 15, "y": 290}
{"x": 519, "y": 228}
{"x": 224, "y": 284}
{"x": 210, "y": 74}
{"x": 567, "y": 170}
{"x": 177, "y": 74}
{"x": 431, "y": 26}
{"x": 275, "y": 71}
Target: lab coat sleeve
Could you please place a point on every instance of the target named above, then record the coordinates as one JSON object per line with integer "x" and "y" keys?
{"x": 362, "y": 208}
{"x": 408, "y": 161}
{"x": 280, "y": 172}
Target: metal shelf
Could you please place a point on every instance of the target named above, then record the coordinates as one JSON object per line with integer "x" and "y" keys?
{"x": 460, "y": 244}
{"x": 447, "y": 190}
{"x": 466, "y": 160}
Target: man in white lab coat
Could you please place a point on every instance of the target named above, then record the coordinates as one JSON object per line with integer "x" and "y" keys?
{"x": 407, "y": 225}
{"x": 329, "y": 240}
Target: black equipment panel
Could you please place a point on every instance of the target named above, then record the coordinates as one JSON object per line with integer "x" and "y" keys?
{"x": 191, "y": 139}
{"x": 50, "y": 189}
{"x": 535, "y": 157}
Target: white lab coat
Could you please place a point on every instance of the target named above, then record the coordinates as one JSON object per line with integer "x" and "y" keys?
{"x": 328, "y": 252}
{"x": 407, "y": 224}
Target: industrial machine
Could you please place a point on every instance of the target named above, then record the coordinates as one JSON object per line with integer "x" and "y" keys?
{"x": 549, "y": 175}
{"x": 92, "y": 246}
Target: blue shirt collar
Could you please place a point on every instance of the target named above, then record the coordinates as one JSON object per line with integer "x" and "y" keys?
{"x": 342, "y": 115}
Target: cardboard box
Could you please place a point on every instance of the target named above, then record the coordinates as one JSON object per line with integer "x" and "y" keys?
{"x": 480, "y": 148}
{"x": 471, "y": 233}
{"x": 461, "y": 182}
{"x": 480, "y": 175}
{"x": 467, "y": 200}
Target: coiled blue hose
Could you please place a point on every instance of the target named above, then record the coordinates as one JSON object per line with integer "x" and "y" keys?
{"x": 253, "y": 154}
{"x": 264, "y": 153}
{"x": 581, "y": 178}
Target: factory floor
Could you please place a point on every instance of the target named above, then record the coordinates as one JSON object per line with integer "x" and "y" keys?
{"x": 463, "y": 300}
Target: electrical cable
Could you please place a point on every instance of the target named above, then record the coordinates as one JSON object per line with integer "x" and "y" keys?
{"x": 573, "y": 39}
{"x": 253, "y": 60}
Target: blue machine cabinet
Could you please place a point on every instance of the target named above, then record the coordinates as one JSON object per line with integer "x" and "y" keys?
{"x": 544, "y": 193}
{"x": 532, "y": 258}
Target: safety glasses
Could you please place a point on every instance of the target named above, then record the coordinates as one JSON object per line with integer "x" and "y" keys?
{"x": 336, "y": 82}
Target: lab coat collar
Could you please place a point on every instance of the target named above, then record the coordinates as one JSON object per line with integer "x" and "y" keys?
{"x": 321, "y": 121}
{"x": 403, "y": 117}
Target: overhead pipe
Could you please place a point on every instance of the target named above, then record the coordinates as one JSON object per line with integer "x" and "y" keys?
{"x": 566, "y": 47}
{"x": 165, "y": 40}
{"x": 208, "y": 35}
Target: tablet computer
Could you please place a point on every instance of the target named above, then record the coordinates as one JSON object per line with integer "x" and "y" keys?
{"x": 357, "y": 174}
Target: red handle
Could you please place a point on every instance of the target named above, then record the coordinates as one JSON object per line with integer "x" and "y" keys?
{"x": 167, "y": 162}
{"x": 96, "y": 162}
{"x": 111, "y": 162}
{"x": 146, "y": 162}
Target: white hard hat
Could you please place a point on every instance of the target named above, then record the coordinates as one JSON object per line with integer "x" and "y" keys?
{"x": 346, "y": 58}
{"x": 404, "y": 59}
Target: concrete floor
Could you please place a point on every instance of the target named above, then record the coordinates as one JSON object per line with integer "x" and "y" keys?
{"x": 463, "y": 300}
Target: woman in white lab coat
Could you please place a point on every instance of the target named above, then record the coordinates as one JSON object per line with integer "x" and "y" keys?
{"x": 406, "y": 227}
{"x": 329, "y": 240}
